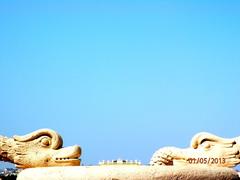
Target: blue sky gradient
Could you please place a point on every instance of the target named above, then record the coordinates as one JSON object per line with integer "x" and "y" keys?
{"x": 121, "y": 79}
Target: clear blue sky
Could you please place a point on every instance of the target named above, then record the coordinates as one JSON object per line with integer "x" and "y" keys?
{"x": 120, "y": 78}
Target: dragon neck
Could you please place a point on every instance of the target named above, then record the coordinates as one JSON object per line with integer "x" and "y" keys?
{"x": 6, "y": 151}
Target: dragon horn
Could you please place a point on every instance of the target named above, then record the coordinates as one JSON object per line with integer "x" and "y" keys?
{"x": 56, "y": 141}
{"x": 204, "y": 136}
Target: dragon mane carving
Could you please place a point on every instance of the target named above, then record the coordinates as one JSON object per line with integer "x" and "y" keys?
{"x": 205, "y": 149}
{"x": 40, "y": 148}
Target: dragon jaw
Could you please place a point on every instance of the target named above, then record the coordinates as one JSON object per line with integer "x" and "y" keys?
{"x": 68, "y": 156}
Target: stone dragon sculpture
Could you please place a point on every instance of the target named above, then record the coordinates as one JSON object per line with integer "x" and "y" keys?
{"x": 40, "y": 148}
{"x": 205, "y": 149}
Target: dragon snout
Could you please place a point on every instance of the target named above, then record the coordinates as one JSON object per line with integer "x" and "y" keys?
{"x": 67, "y": 156}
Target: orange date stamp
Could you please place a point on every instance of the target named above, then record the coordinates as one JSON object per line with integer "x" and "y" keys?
{"x": 205, "y": 160}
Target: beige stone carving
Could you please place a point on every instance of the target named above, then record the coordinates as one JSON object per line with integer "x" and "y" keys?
{"x": 40, "y": 148}
{"x": 120, "y": 172}
{"x": 205, "y": 149}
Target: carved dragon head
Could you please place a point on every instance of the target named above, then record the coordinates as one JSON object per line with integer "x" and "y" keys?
{"x": 205, "y": 149}
{"x": 217, "y": 147}
{"x": 40, "y": 148}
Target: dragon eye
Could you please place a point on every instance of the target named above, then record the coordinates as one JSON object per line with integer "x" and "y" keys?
{"x": 45, "y": 142}
{"x": 206, "y": 145}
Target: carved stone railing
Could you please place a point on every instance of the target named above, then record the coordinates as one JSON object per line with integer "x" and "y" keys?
{"x": 208, "y": 157}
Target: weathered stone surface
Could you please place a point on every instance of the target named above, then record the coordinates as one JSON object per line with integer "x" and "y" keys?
{"x": 114, "y": 172}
